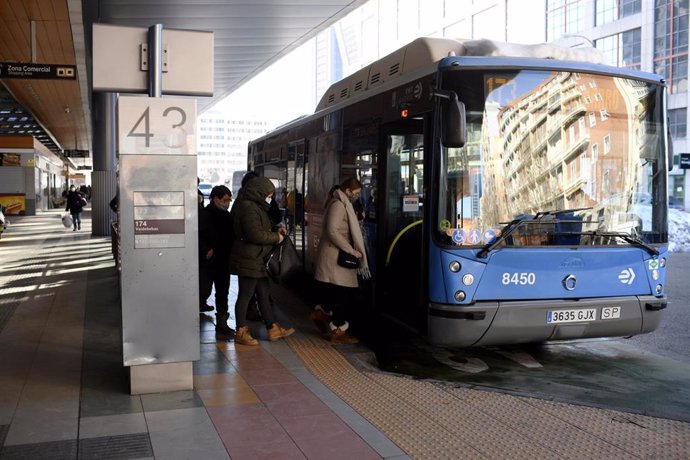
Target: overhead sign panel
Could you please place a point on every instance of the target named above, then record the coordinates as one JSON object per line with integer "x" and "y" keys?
{"x": 38, "y": 71}
{"x": 120, "y": 60}
{"x": 76, "y": 153}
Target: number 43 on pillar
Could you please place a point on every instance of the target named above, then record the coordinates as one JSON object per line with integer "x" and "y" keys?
{"x": 156, "y": 126}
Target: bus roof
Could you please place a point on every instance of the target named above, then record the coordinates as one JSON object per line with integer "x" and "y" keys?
{"x": 426, "y": 51}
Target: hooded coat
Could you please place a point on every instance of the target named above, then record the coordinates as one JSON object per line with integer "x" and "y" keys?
{"x": 254, "y": 239}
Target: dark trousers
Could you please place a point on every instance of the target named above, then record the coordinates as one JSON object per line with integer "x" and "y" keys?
{"x": 205, "y": 282}
{"x": 339, "y": 300}
{"x": 76, "y": 219}
{"x": 217, "y": 274}
{"x": 247, "y": 287}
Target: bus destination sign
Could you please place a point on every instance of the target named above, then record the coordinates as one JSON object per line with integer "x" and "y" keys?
{"x": 38, "y": 71}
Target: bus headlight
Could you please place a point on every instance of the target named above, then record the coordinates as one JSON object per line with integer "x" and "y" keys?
{"x": 468, "y": 279}
{"x": 659, "y": 288}
{"x": 454, "y": 266}
{"x": 662, "y": 262}
{"x": 459, "y": 296}
{"x": 655, "y": 275}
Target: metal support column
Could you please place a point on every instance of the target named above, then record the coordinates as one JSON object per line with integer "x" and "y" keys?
{"x": 104, "y": 175}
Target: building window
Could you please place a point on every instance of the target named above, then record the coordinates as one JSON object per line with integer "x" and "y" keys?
{"x": 592, "y": 120}
{"x": 630, "y": 49}
{"x": 607, "y": 144}
{"x": 595, "y": 152}
{"x": 677, "y": 119}
{"x": 604, "y": 114}
{"x": 624, "y": 49}
{"x": 611, "y": 10}
{"x": 564, "y": 17}
{"x": 671, "y": 43}
{"x": 606, "y": 182}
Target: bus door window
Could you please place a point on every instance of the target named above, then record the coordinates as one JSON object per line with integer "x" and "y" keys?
{"x": 402, "y": 207}
{"x": 360, "y": 159}
{"x": 365, "y": 206}
{"x": 294, "y": 199}
{"x": 405, "y": 179}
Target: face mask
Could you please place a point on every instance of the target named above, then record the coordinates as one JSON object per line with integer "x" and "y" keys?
{"x": 268, "y": 200}
{"x": 352, "y": 197}
{"x": 220, "y": 204}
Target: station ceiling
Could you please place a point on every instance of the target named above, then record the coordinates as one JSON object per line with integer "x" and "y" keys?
{"x": 249, "y": 35}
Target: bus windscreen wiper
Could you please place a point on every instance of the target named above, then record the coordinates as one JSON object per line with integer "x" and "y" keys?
{"x": 633, "y": 240}
{"x": 505, "y": 233}
{"x": 515, "y": 223}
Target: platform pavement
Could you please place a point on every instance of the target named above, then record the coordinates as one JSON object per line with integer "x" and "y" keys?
{"x": 63, "y": 390}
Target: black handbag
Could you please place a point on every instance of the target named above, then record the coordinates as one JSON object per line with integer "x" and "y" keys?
{"x": 347, "y": 260}
{"x": 283, "y": 260}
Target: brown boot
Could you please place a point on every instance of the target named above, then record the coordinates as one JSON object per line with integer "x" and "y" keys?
{"x": 243, "y": 337}
{"x": 340, "y": 336}
{"x": 276, "y": 332}
{"x": 321, "y": 319}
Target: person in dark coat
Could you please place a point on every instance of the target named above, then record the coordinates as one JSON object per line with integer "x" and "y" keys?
{"x": 215, "y": 240}
{"x": 254, "y": 240}
{"x": 199, "y": 195}
{"x": 75, "y": 206}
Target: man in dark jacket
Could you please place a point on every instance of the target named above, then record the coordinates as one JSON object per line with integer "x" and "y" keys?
{"x": 75, "y": 206}
{"x": 215, "y": 241}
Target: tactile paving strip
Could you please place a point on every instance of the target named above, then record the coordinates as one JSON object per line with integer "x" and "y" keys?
{"x": 437, "y": 420}
{"x": 58, "y": 450}
{"x": 116, "y": 447}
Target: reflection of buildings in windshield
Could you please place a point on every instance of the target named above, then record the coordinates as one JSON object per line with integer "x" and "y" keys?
{"x": 571, "y": 142}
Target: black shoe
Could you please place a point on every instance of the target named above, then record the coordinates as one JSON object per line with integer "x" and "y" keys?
{"x": 204, "y": 308}
{"x": 227, "y": 333}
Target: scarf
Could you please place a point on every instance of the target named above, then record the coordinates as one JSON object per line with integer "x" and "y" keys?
{"x": 355, "y": 234}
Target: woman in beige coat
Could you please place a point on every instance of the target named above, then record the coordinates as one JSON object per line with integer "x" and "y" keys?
{"x": 340, "y": 231}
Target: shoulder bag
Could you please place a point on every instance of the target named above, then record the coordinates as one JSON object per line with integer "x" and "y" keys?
{"x": 347, "y": 260}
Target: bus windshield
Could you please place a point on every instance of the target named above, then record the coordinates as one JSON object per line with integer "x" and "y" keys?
{"x": 569, "y": 158}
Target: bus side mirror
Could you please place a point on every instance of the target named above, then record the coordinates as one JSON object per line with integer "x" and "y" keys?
{"x": 453, "y": 125}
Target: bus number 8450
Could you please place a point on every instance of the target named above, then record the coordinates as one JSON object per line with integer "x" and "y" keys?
{"x": 519, "y": 279}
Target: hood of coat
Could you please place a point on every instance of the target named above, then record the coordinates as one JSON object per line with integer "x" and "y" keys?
{"x": 258, "y": 189}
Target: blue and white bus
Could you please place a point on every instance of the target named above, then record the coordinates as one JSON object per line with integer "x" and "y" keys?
{"x": 511, "y": 193}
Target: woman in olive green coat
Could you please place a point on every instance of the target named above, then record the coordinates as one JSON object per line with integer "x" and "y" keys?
{"x": 253, "y": 241}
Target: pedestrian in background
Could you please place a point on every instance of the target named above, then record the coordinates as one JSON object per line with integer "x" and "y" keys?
{"x": 340, "y": 232}
{"x": 75, "y": 206}
{"x": 199, "y": 195}
{"x": 254, "y": 240}
{"x": 215, "y": 241}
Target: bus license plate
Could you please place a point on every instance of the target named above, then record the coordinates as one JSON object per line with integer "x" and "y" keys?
{"x": 571, "y": 316}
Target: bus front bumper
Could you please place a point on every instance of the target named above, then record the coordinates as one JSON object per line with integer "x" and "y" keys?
{"x": 512, "y": 322}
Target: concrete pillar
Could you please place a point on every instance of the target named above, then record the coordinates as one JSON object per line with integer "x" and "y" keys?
{"x": 104, "y": 175}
